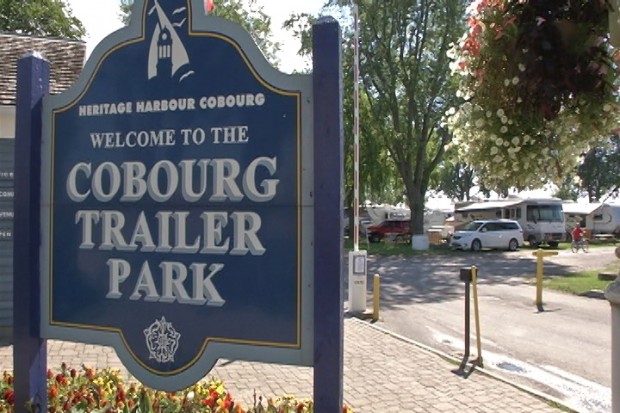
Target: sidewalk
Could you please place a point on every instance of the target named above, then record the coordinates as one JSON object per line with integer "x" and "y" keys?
{"x": 382, "y": 372}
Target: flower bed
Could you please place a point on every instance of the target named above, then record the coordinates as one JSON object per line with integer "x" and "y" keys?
{"x": 104, "y": 391}
{"x": 540, "y": 83}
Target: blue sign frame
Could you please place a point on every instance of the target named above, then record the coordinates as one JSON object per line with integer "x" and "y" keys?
{"x": 177, "y": 208}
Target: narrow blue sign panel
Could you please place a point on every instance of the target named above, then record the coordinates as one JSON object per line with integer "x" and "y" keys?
{"x": 177, "y": 200}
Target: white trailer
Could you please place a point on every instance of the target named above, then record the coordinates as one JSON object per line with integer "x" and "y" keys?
{"x": 542, "y": 219}
{"x": 598, "y": 217}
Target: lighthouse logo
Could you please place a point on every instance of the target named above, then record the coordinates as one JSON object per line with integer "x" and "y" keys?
{"x": 167, "y": 55}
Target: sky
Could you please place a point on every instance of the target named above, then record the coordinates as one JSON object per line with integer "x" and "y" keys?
{"x": 101, "y": 18}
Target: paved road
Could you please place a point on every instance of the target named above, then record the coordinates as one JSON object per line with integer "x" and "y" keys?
{"x": 564, "y": 351}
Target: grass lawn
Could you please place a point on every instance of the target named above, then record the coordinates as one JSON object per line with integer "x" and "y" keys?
{"x": 579, "y": 282}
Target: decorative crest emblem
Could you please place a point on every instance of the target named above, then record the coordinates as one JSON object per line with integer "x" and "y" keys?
{"x": 162, "y": 340}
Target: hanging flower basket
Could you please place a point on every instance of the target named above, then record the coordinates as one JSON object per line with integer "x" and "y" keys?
{"x": 540, "y": 85}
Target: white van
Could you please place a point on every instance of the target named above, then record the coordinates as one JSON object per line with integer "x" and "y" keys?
{"x": 499, "y": 233}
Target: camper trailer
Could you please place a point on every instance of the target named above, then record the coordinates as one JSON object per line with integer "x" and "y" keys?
{"x": 542, "y": 219}
{"x": 598, "y": 217}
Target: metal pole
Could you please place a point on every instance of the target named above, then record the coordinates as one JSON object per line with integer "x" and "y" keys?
{"x": 539, "y": 279}
{"x": 612, "y": 293}
{"x": 376, "y": 290}
{"x": 474, "y": 274}
{"x": 356, "y": 129}
{"x": 467, "y": 327}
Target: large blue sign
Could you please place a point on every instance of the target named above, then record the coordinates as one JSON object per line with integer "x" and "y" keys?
{"x": 177, "y": 193}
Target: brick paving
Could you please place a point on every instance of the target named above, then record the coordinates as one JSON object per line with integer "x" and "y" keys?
{"x": 382, "y": 372}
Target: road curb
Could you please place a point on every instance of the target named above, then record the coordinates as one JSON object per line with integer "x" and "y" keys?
{"x": 547, "y": 398}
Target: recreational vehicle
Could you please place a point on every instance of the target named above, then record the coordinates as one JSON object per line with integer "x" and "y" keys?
{"x": 434, "y": 219}
{"x": 598, "y": 217}
{"x": 542, "y": 219}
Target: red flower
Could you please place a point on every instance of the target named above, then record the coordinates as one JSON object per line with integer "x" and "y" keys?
{"x": 52, "y": 392}
{"x": 90, "y": 374}
{"x": 9, "y": 396}
{"x": 209, "y": 401}
{"x": 120, "y": 395}
{"x": 61, "y": 379}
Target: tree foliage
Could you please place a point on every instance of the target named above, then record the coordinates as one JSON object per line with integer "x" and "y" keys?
{"x": 405, "y": 73}
{"x": 599, "y": 171}
{"x": 378, "y": 179}
{"x": 405, "y": 93}
{"x": 52, "y": 18}
{"x": 247, "y": 13}
{"x": 455, "y": 179}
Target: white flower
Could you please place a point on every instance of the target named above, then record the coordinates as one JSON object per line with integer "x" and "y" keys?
{"x": 494, "y": 150}
{"x": 606, "y": 107}
{"x": 499, "y": 141}
{"x": 515, "y": 141}
{"x": 504, "y": 119}
{"x": 500, "y": 112}
{"x": 506, "y": 82}
{"x": 489, "y": 113}
{"x": 497, "y": 159}
{"x": 515, "y": 80}
{"x": 519, "y": 100}
{"x": 503, "y": 129}
{"x": 479, "y": 123}
{"x": 522, "y": 67}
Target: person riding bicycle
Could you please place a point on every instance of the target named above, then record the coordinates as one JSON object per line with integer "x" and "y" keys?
{"x": 577, "y": 233}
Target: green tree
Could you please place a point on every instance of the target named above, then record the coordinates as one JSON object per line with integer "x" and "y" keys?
{"x": 568, "y": 190}
{"x": 51, "y": 18}
{"x": 454, "y": 178}
{"x": 405, "y": 74}
{"x": 405, "y": 85}
{"x": 600, "y": 170}
{"x": 247, "y": 13}
{"x": 378, "y": 179}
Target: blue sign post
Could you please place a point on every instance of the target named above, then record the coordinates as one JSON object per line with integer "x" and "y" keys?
{"x": 29, "y": 348}
{"x": 182, "y": 217}
{"x": 328, "y": 152}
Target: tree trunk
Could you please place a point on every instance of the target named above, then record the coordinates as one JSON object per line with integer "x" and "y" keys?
{"x": 416, "y": 204}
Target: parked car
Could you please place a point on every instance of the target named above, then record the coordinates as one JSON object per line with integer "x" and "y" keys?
{"x": 500, "y": 234}
{"x": 398, "y": 229}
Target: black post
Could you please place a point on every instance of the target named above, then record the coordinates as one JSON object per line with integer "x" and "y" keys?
{"x": 466, "y": 276}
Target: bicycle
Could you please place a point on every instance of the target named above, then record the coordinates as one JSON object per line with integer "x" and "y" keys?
{"x": 582, "y": 243}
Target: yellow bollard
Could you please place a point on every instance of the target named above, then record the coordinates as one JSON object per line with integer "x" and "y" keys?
{"x": 540, "y": 254}
{"x": 474, "y": 281}
{"x": 376, "y": 284}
